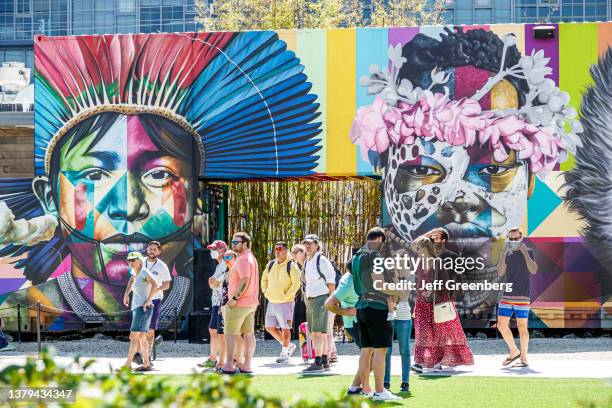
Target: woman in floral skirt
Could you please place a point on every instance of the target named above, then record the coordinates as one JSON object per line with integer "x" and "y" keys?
{"x": 436, "y": 344}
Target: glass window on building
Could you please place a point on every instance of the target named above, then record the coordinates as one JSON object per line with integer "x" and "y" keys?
{"x": 463, "y": 15}
{"x": 483, "y": 16}
{"x": 82, "y": 17}
{"x": 126, "y": 24}
{"x": 59, "y": 17}
{"x": 6, "y": 6}
{"x": 7, "y": 28}
{"x": 150, "y": 16}
{"x": 23, "y": 6}
{"x": 23, "y": 28}
{"x": 126, "y": 6}
{"x": 104, "y": 22}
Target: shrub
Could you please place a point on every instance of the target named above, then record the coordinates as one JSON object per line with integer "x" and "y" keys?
{"x": 126, "y": 389}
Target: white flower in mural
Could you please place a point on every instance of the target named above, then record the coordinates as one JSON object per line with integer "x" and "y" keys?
{"x": 395, "y": 56}
{"x": 509, "y": 40}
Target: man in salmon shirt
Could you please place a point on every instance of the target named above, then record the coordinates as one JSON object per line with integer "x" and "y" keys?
{"x": 243, "y": 294}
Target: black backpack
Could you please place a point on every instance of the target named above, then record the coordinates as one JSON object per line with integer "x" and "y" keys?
{"x": 333, "y": 264}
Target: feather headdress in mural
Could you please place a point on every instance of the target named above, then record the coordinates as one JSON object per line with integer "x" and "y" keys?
{"x": 243, "y": 96}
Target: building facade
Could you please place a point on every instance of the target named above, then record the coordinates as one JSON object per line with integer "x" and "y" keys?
{"x": 21, "y": 19}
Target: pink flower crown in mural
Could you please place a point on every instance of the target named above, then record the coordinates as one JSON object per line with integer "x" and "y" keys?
{"x": 401, "y": 113}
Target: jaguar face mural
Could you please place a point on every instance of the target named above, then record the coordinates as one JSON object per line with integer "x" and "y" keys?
{"x": 461, "y": 125}
{"x": 125, "y": 126}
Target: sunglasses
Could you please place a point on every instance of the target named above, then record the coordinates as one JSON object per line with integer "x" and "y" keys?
{"x": 279, "y": 248}
{"x": 236, "y": 242}
{"x": 133, "y": 260}
{"x": 515, "y": 239}
{"x": 228, "y": 257}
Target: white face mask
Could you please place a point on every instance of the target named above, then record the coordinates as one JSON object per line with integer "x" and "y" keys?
{"x": 214, "y": 254}
{"x": 514, "y": 245}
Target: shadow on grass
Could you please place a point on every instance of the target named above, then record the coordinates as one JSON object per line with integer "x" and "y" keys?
{"x": 434, "y": 376}
{"x": 301, "y": 376}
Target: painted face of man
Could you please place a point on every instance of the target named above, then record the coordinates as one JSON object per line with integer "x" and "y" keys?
{"x": 434, "y": 184}
{"x": 120, "y": 190}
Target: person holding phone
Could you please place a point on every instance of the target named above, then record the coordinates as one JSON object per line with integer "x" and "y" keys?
{"x": 518, "y": 263}
{"x": 143, "y": 286}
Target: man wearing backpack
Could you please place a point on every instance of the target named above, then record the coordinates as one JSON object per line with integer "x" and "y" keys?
{"x": 320, "y": 278}
{"x": 280, "y": 282}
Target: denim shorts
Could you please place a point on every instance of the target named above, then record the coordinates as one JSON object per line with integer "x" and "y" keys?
{"x": 141, "y": 319}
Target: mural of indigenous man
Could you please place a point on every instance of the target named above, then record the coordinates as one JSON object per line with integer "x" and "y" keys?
{"x": 124, "y": 127}
{"x": 460, "y": 126}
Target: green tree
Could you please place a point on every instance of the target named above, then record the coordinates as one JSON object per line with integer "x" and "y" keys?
{"x": 241, "y": 15}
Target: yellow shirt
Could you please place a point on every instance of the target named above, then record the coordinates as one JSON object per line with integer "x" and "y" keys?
{"x": 277, "y": 285}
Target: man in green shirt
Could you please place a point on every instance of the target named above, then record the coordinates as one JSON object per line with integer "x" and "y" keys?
{"x": 375, "y": 330}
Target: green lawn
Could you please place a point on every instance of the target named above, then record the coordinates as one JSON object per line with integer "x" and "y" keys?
{"x": 478, "y": 392}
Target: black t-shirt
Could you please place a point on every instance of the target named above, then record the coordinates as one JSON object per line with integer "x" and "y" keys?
{"x": 518, "y": 274}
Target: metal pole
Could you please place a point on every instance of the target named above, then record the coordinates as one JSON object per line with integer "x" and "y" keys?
{"x": 175, "y": 323}
{"x": 19, "y": 322}
{"x": 38, "y": 328}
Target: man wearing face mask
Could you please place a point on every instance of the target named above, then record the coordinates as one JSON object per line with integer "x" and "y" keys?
{"x": 217, "y": 250}
{"x": 517, "y": 262}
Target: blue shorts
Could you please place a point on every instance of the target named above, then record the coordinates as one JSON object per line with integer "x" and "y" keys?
{"x": 141, "y": 319}
{"x": 155, "y": 315}
{"x": 214, "y": 318}
{"x": 521, "y": 311}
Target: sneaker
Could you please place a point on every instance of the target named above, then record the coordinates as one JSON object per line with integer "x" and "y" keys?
{"x": 138, "y": 359}
{"x": 357, "y": 391}
{"x": 158, "y": 340}
{"x": 283, "y": 358}
{"x": 292, "y": 348}
{"x": 438, "y": 367}
{"x": 387, "y": 386}
{"x": 386, "y": 395}
{"x": 313, "y": 369}
{"x": 8, "y": 347}
{"x": 404, "y": 387}
{"x": 417, "y": 368}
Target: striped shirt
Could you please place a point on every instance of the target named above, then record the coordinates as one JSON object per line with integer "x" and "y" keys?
{"x": 403, "y": 311}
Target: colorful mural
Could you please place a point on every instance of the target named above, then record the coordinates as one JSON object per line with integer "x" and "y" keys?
{"x": 124, "y": 126}
{"x": 476, "y": 129}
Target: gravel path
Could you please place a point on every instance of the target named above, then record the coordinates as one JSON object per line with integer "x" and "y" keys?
{"x": 578, "y": 348}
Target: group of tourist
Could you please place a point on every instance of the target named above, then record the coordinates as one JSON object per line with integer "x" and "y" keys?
{"x": 370, "y": 316}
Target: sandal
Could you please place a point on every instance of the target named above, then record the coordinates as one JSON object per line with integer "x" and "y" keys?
{"x": 333, "y": 360}
{"x": 236, "y": 371}
{"x": 520, "y": 365}
{"x": 509, "y": 360}
{"x": 143, "y": 369}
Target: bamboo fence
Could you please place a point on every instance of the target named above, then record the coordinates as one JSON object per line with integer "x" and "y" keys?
{"x": 339, "y": 212}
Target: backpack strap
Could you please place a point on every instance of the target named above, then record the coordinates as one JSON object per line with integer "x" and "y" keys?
{"x": 289, "y": 268}
{"x": 270, "y": 264}
{"x": 319, "y": 268}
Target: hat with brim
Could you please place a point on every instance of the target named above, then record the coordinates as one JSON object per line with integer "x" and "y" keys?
{"x": 311, "y": 238}
{"x": 135, "y": 255}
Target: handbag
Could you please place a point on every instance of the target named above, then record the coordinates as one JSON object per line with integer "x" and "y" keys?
{"x": 445, "y": 311}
